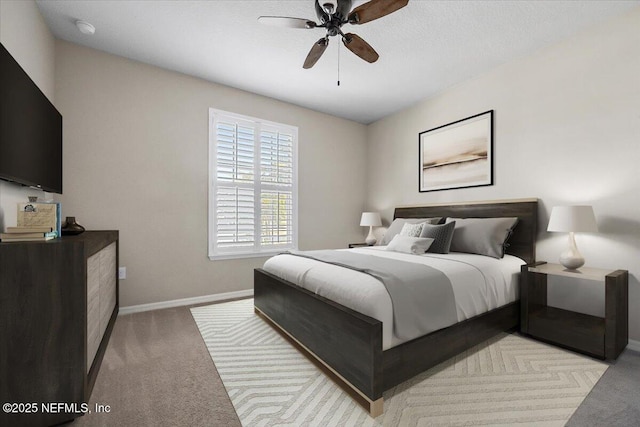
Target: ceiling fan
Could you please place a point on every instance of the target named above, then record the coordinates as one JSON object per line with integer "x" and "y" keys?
{"x": 333, "y": 20}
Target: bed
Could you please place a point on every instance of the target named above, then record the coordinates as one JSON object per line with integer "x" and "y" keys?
{"x": 351, "y": 345}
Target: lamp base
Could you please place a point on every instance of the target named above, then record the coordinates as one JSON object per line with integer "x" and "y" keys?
{"x": 570, "y": 261}
{"x": 371, "y": 239}
{"x": 571, "y": 258}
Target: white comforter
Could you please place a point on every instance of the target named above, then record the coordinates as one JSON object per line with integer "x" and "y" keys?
{"x": 480, "y": 283}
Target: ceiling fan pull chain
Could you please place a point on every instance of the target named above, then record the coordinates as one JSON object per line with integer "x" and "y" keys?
{"x": 338, "y": 64}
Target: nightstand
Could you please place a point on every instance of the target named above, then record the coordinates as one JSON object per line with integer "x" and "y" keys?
{"x": 357, "y": 245}
{"x": 601, "y": 337}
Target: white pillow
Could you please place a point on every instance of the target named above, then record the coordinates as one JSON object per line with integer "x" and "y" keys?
{"x": 409, "y": 245}
{"x": 411, "y": 230}
{"x": 396, "y": 227}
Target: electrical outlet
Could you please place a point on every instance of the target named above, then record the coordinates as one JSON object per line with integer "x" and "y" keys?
{"x": 122, "y": 273}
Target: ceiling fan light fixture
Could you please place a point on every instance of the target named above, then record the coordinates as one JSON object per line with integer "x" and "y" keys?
{"x": 332, "y": 16}
{"x": 84, "y": 27}
{"x": 328, "y": 7}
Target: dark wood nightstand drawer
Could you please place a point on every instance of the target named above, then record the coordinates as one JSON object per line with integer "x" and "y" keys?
{"x": 577, "y": 331}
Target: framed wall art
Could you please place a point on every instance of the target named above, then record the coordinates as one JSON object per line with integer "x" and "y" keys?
{"x": 457, "y": 155}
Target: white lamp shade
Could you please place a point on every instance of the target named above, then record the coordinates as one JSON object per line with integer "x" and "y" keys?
{"x": 573, "y": 219}
{"x": 370, "y": 219}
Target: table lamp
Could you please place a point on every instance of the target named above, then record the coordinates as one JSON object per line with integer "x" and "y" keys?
{"x": 572, "y": 219}
{"x": 371, "y": 219}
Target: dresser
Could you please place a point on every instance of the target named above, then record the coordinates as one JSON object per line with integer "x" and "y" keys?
{"x": 58, "y": 305}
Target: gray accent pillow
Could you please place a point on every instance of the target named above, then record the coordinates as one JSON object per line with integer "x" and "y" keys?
{"x": 396, "y": 227}
{"x": 409, "y": 245}
{"x": 482, "y": 236}
{"x": 441, "y": 235}
{"x": 410, "y": 230}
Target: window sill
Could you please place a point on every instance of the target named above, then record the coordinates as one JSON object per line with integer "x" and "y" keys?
{"x": 221, "y": 257}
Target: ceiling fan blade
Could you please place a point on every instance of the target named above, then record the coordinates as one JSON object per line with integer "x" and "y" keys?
{"x": 375, "y": 9}
{"x": 355, "y": 44}
{"x": 283, "y": 21}
{"x": 316, "y": 52}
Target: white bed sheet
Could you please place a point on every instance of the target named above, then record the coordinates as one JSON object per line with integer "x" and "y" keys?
{"x": 480, "y": 283}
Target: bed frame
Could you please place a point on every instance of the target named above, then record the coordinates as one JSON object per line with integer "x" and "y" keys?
{"x": 349, "y": 344}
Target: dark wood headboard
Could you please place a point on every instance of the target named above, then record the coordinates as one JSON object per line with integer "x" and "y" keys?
{"x": 522, "y": 242}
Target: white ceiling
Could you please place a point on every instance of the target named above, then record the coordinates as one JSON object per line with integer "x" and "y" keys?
{"x": 424, "y": 48}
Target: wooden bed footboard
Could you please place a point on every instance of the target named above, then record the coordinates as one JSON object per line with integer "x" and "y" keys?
{"x": 348, "y": 342}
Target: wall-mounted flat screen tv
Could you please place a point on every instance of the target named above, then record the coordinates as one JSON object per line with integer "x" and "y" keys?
{"x": 30, "y": 130}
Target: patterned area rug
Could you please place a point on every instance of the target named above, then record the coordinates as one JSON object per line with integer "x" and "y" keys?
{"x": 505, "y": 381}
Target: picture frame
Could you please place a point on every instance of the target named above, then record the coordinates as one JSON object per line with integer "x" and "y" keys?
{"x": 457, "y": 155}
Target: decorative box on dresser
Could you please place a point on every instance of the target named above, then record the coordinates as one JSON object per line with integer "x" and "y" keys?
{"x": 58, "y": 305}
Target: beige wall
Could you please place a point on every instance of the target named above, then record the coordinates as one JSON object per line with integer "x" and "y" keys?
{"x": 25, "y": 35}
{"x": 135, "y": 159}
{"x": 567, "y": 130}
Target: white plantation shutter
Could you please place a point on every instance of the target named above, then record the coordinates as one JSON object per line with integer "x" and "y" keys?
{"x": 276, "y": 219}
{"x": 235, "y": 152}
{"x": 235, "y": 217}
{"x": 252, "y": 206}
{"x": 276, "y": 157}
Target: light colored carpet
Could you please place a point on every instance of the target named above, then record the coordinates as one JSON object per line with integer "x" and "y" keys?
{"x": 505, "y": 381}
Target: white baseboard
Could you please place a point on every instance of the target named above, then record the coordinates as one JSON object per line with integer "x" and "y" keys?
{"x": 184, "y": 301}
{"x": 634, "y": 345}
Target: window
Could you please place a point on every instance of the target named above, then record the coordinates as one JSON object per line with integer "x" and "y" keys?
{"x": 252, "y": 186}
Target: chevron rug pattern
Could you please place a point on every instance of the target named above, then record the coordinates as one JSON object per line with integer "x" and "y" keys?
{"x": 505, "y": 381}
